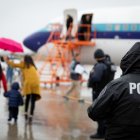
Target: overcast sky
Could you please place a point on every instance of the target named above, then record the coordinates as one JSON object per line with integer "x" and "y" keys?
{"x": 19, "y": 18}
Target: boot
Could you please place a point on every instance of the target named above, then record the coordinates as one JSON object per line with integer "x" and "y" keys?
{"x": 26, "y": 116}
{"x": 30, "y": 119}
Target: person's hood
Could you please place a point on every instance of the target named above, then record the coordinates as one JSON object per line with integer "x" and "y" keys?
{"x": 130, "y": 63}
{"x": 15, "y": 86}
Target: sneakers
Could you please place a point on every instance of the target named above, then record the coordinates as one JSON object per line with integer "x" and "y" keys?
{"x": 26, "y": 116}
{"x": 97, "y": 136}
{"x": 15, "y": 121}
{"x": 9, "y": 119}
{"x": 30, "y": 119}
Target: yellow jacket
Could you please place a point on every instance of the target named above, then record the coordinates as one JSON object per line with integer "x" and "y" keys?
{"x": 31, "y": 82}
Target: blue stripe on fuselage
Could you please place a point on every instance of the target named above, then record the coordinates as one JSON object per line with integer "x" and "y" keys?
{"x": 121, "y": 35}
{"x": 122, "y": 31}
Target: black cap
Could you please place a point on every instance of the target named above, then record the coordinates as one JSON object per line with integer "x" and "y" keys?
{"x": 99, "y": 53}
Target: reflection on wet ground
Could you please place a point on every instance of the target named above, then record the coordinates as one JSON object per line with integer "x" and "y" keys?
{"x": 55, "y": 119}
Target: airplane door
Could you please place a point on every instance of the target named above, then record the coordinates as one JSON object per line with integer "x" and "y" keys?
{"x": 73, "y": 14}
{"x": 84, "y": 29}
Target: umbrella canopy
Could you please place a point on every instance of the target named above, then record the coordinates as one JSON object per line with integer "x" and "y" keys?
{"x": 10, "y": 45}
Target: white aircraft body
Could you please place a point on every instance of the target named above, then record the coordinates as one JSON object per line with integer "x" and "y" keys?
{"x": 116, "y": 29}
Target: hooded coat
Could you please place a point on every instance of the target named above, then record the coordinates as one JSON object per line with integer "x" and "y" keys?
{"x": 119, "y": 102}
{"x": 30, "y": 76}
{"x": 15, "y": 98}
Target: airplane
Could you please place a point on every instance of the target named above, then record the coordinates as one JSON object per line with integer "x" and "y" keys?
{"x": 114, "y": 30}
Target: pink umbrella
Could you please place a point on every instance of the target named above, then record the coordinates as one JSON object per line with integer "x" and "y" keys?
{"x": 10, "y": 45}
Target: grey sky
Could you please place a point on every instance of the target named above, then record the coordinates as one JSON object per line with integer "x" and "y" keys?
{"x": 19, "y": 18}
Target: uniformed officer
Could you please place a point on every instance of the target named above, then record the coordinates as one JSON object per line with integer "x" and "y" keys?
{"x": 119, "y": 102}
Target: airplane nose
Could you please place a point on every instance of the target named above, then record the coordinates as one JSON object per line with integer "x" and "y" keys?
{"x": 36, "y": 40}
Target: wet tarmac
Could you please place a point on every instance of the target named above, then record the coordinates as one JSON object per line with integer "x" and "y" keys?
{"x": 55, "y": 118}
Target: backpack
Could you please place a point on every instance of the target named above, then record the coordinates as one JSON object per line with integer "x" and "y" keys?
{"x": 111, "y": 69}
{"x": 74, "y": 75}
{"x": 90, "y": 82}
{"x": 109, "y": 74}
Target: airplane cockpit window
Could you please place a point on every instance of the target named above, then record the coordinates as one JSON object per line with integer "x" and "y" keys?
{"x": 54, "y": 27}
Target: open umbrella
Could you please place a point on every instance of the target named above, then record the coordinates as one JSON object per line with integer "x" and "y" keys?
{"x": 10, "y": 45}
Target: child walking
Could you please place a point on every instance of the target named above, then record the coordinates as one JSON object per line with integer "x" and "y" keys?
{"x": 14, "y": 101}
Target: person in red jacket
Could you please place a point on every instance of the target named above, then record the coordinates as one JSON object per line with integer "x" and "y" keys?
{"x": 3, "y": 79}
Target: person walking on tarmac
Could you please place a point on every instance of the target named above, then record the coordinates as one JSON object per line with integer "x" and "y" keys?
{"x": 14, "y": 101}
{"x": 99, "y": 77}
{"x": 76, "y": 73}
{"x": 119, "y": 102}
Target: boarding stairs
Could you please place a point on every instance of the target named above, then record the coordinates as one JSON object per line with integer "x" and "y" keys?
{"x": 55, "y": 68}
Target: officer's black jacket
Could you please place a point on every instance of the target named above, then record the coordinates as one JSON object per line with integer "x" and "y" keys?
{"x": 119, "y": 104}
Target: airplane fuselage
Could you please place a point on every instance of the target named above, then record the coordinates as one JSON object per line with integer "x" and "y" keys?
{"x": 114, "y": 30}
